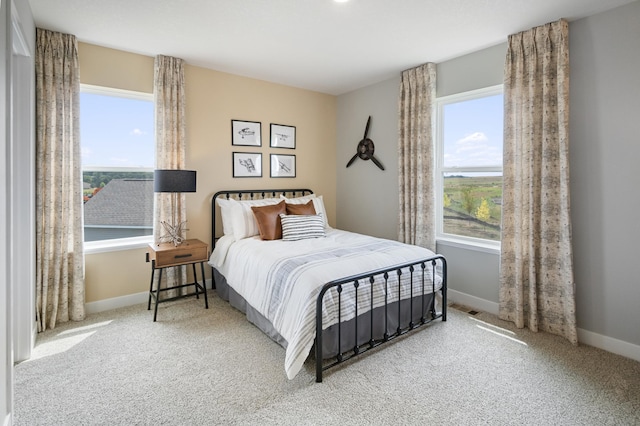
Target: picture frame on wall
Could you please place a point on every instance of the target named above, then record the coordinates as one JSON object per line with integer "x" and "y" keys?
{"x": 282, "y": 136}
{"x": 246, "y": 133}
{"x": 283, "y": 166}
{"x": 247, "y": 164}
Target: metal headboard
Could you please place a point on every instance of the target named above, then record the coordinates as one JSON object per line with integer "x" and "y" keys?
{"x": 248, "y": 194}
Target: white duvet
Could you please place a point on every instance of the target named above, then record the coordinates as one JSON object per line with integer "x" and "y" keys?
{"x": 281, "y": 279}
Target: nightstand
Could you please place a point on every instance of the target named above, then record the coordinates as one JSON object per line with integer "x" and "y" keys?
{"x": 166, "y": 255}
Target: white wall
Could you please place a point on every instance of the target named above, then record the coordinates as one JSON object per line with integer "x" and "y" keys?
{"x": 604, "y": 129}
{"x": 16, "y": 194}
{"x": 474, "y": 275}
{"x": 5, "y": 305}
{"x": 604, "y": 153}
{"x": 367, "y": 197}
{"x": 22, "y": 179}
{"x": 363, "y": 187}
{"x": 476, "y": 70}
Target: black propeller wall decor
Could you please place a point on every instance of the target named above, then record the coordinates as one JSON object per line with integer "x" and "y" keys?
{"x": 365, "y": 149}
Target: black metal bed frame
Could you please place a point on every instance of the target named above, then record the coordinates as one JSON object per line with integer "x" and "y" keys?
{"x": 368, "y": 278}
{"x": 418, "y": 268}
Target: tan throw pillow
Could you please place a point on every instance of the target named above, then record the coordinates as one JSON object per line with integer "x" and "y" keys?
{"x": 306, "y": 209}
{"x": 268, "y": 218}
{"x": 243, "y": 220}
{"x": 318, "y": 204}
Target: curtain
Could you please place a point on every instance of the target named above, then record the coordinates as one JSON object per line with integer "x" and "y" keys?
{"x": 537, "y": 288}
{"x": 416, "y": 215}
{"x": 59, "y": 218}
{"x": 169, "y": 97}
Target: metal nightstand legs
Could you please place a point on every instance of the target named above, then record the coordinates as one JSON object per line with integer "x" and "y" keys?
{"x": 155, "y": 294}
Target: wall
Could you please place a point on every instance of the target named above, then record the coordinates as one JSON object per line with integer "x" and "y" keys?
{"x": 17, "y": 272}
{"x": 213, "y": 99}
{"x": 473, "y": 275}
{"x": 364, "y": 188}
{"x": 605, "y": 105}
{"x": 22, "y": 174}
{"x": 604, "y": 152}
{"x": 127, "y": 71}
{"x": 476, "y": 70}
{"x": 6, "y": 362}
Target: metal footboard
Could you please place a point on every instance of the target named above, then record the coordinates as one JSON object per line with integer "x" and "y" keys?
{"x": 392, "y": 313}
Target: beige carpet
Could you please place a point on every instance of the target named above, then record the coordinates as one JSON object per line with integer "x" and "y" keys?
{"x": 200, "y": 367}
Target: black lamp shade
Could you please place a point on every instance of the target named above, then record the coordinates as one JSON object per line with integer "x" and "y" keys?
{"x": 174, "y": 181}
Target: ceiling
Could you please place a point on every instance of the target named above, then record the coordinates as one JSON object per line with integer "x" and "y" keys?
{"x": 319, "y": 45}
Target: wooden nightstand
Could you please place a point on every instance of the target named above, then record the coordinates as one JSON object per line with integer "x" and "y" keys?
{"x": 166, "y": 255}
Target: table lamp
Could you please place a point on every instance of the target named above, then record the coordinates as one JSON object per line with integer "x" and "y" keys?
{"x": 174, "y": 182}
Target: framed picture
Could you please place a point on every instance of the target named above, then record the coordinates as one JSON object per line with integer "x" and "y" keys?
{"x": 283, "y": 136}
{"x": 283, "y": 166}
{"x": 246, "y": 133}
{"x": 247, "y": 164}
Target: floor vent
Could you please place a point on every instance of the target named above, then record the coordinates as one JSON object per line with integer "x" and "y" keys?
{"x": 464, "y": 309}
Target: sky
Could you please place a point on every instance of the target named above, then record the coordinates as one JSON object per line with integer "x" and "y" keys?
{"x": 473, "y": 132}
{"x": 116, "y": 131}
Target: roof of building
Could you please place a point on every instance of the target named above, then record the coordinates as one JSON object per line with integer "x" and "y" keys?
{"x": 122, "y": 202}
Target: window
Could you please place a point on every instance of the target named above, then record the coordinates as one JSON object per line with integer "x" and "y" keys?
{"x": 118, "y": 153}
{"x": 469, "y": 166}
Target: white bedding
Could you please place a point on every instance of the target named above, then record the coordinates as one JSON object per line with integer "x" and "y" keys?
{"x": 281, "y": 279}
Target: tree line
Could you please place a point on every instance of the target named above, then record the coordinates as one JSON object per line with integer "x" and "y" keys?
{"x": 100, "y": 179}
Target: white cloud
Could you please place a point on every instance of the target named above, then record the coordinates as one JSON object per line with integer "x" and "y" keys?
{"x": 138, "y": 132}
{"x": 474, "y": 149}
{"x": 472, "y": 142}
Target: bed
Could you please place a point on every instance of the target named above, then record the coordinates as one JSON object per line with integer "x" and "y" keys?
{"x": 316, "y": 289}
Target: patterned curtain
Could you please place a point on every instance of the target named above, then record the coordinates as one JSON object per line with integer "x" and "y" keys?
{"x": 416, "y": 156}
{"x": 169, "y": 95}
{"x": 59, "y": 218}
{"x": 537, "y": 288}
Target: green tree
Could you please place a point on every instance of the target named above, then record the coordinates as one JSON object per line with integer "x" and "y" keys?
{"x": 483, "y": 212}
{"x": 468, "y": 203}
{"x": 447, "y": 200}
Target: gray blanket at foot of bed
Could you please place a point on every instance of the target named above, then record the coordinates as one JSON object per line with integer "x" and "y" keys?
{"x": 330, "y": 335}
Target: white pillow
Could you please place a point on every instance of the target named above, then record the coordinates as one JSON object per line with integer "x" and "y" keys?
{"x": 318, "y": 204}
{"x": 244, "y": 222}
{"x": 226, "y": 212}
{"x": 301, "y": 227}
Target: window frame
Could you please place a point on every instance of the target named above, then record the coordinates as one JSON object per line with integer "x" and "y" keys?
{"x": 116, "y": 244}
{"x": 454, "y": 240}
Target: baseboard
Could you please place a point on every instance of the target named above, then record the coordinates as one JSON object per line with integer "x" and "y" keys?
{"x": 609, "y": 344}
{"x": 472, "y": 301}
{"x": 122, "y": 301}
{"x": 116, "y": 302}
{"x": 34, "y": 334}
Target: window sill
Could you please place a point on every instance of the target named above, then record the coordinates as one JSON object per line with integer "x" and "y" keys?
{"x": 493, "y": 248}
{"x": 94, "y": 247}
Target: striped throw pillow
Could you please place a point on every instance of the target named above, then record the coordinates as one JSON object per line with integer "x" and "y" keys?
{"x": 301, "y": 227}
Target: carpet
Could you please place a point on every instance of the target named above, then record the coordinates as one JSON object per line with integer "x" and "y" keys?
{"x": 204, "y": 367}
